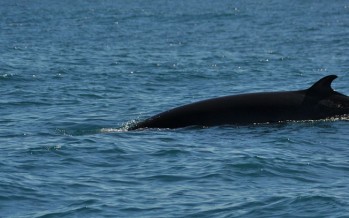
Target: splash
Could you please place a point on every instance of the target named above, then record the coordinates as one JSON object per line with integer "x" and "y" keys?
{"x": 113, "y": 130}
{"x": 124, "y": 128}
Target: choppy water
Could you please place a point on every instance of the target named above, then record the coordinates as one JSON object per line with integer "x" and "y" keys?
{"x": 72, "y": 73}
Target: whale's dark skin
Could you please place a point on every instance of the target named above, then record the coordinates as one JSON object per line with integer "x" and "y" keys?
{"x": 319, "y": 101}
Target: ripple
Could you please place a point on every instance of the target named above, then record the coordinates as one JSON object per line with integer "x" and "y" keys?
{"x": 73, "y": 211}
{"x": 78, "y": 129}
{"x": 171, "y": 153}
{"x": 168, "y": 178}
{"x": 25, "y": 103}
{"x": 249, "y": 208}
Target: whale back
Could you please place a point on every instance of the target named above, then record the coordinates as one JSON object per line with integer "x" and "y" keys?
{"x": 319, "y": 101}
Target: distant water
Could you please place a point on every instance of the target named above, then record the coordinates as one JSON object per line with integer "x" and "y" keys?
{"x": 73, "y": 72}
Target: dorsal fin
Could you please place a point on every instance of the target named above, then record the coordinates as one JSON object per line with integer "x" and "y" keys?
{"x": 323, "y": 86}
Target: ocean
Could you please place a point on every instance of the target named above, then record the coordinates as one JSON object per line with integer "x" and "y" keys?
{"x": 74, "y": 74}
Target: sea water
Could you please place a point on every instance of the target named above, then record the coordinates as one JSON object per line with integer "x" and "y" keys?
{"x": 74, "y": 73}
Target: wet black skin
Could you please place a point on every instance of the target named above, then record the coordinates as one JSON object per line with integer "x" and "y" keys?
{"x": 319, "y": 101}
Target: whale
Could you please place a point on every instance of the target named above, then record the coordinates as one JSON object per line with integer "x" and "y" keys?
{"x": 317, "y": 102}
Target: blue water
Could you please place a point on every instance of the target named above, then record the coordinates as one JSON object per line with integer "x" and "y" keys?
{"x": 73, "y": 72}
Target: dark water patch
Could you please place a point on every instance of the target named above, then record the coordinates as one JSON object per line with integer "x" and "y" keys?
{"x": 246, "y": 169}
{"x": 6, "y": 76}
{"x": 141, "y": 210}
{"x": 293, "y": 174}
{"x": 127, "y": 182}
{"x": 26, "y": 103}
{"x": 44, "y": 149}
{"x": 171, "y": 153}
{"x": 112, "y": 150}
{"x": 330, "y": 164}
{"x": 326, "y": 205}
{"x": 71, "y": 161}
{"x": 168, "y": 178}
{"x": 74, "y": 129}
{"x": 91, "y": 96}
{"x": 16, "y": 78}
